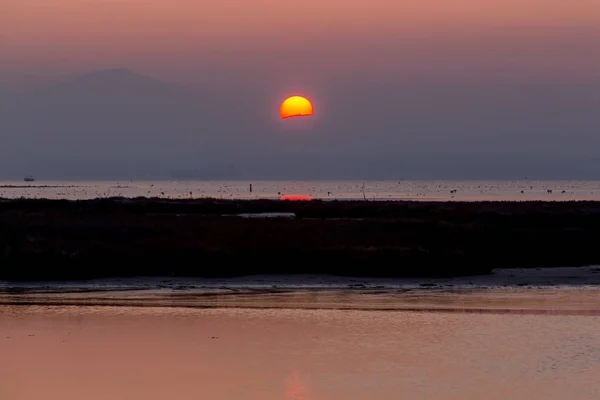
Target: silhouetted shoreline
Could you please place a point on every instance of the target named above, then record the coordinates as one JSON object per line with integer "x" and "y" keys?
{"x": 60, "y": 239}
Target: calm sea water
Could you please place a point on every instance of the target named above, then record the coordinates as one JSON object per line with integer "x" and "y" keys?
{"x": 263, "y": 349}
{"x": 372, "y": 190}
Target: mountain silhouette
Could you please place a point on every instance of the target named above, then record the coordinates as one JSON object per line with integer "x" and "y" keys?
{"x": 114, "y": 120}
{"x": 112, "y": 87}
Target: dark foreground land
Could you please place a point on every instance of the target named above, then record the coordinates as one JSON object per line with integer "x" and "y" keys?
{"x": 59, "y": 239}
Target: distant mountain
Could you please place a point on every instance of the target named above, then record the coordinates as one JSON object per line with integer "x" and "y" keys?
{"x": 214, "y": 172}
{"x": 110, "y": 87}
{"x": 109, "y": 120}
{"x": 6, "y": 98}
{"x": 112, "y": 98}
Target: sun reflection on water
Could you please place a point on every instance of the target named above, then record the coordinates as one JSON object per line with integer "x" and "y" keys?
{"x": 296, "y": 387}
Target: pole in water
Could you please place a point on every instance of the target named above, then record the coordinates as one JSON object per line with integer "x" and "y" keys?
{"x": 250, "y": 188}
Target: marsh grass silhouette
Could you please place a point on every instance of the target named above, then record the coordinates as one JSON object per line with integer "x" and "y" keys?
{"x": 60, "y": 239}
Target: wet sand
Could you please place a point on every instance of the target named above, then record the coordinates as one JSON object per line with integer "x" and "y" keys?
{"x": 560, "y": 301}
{"x": 560, "y": 291}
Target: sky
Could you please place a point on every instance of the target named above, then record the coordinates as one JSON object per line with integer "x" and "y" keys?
{"x": 386, "y": 77}
{"x": 401, "y": 41}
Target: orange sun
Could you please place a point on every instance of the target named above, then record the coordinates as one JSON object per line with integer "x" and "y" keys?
{"x": 296, "y": 106}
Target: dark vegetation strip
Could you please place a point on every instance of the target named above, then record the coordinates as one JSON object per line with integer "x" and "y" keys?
{"x": 60, "y": 239}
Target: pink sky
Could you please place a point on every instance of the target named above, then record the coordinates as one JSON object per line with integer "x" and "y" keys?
{"x": 428, "y": 40}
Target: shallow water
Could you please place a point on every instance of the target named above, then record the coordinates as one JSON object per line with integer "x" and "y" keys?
{"x": 315, "y": 345}
{"x": 372, "y": 190}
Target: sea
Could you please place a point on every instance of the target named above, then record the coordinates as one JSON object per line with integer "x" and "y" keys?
{"x": 516, "y": 190}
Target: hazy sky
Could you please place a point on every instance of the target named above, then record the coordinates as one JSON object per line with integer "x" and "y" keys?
{"x": 386, "y": 77}
{"x": 299, "y": 42}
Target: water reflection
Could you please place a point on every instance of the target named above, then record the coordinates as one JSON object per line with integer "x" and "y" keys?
{"x": 95, "y": 353}
{"x": 296, "y": 387}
